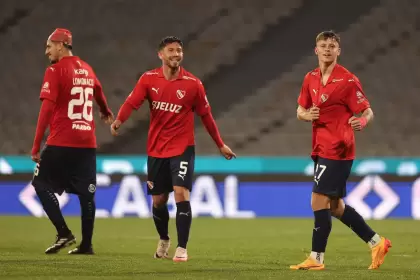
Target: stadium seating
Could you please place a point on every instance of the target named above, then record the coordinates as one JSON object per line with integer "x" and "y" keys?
{"x": 116, "y": 38}
{"x": 382, "y": 49}
{"x": 119, "y": 38}
{"x": 13, "y": 11}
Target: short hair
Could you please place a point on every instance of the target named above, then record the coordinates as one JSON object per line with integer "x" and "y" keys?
{"x": 169, "y": 40}
{"x": 324, "y": 35}
{"x": 69, "y": 47}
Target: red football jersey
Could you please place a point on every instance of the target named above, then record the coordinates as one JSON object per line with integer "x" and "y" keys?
{"x": 340, "y": 99}
{"x": 71, "y": 84}
{"x": 172, "y": 105}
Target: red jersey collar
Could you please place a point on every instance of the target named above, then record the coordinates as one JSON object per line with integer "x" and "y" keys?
{"x": 70, "y": 57}
{"x": 180, "y": 75}
{"x": 335, "y": 74}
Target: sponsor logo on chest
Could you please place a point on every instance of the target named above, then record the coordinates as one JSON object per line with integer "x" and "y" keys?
{"x": 166, "y": 106}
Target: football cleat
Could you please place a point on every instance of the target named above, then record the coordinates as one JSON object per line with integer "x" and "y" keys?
{"x": 308, "y": 264}
{"x": 379, "y": 252}
{"x": 180, "y": 255}
{"x": 60, "y": 243}
{"x": 162, "y": 251}
{"x": 81, "y": 251}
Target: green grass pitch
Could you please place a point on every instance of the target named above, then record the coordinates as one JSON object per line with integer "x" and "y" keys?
{"x": 218, "y": 249}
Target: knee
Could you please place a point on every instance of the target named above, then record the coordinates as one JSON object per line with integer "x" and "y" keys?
{"x": 337, "y": 208}
{"x": 181, "y": 194}
{"x": 336, "y": 212}
{"x": 319, "y": 202}
{"x": 160, "y": 200}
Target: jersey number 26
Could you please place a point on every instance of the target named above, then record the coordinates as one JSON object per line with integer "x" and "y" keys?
{"x": 84, "y": 101}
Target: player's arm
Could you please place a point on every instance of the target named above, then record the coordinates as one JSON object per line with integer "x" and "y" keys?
{"x": 306, "y": 111}
{"x": 105, "y": 112}
{"x": 358, "y": 123}
{"x": 359, "y": 105}
{"x": 202, "y": 108}
{"x": 133, "y": 102}
{"x": 48, "y": 97}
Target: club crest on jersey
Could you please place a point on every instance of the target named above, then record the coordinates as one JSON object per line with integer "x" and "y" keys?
{"x": 150, "y": 185}
{"x": 324, "y": 97}
{"x": 180, "y": 93}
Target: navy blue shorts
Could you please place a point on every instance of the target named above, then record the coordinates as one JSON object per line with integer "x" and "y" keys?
{"x": 330, "y": 176}
{"x": 66, "y": 169}
{"x": 165, "y": 173}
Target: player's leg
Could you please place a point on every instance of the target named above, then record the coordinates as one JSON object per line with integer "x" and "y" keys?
{"x": 88, "y": 210}
{"x": 349, "y": 216}
{"x": 354, "y": 221}
{"x": 182, "y": 168}
{"x": 159, "y": 185}
{"x": 48, "y": 180}
{"x": 161, "y": 219}
{"x": 320, "y": 204}
{"x": 183, "y": 221}
{"x": 326, "y": 186}
{"x": 83, "y": 183}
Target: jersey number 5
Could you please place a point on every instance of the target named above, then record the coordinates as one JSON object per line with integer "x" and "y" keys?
{"x": 183, "y": 166}
{"x": 84, "y": 101}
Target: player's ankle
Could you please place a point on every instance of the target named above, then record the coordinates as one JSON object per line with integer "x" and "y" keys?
{"x": 64, "y": 232}
{"x": 374, "y": 241}
{"x": 318, "y": 257}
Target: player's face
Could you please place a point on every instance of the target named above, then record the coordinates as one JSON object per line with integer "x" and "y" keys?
{"x": 327, "y": 50}
{"x": 172, "y": 55}
{"x": 52, "y": 51}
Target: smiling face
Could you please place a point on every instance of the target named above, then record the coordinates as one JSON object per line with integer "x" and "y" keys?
{"x": 327, "y": 47}
{"x": 171, "y": 55}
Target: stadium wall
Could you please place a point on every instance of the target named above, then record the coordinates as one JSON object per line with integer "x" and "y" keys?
{"x": 379, "y": 188}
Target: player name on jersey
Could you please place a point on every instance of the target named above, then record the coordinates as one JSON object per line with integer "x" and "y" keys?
{"x": 83, "y": 82}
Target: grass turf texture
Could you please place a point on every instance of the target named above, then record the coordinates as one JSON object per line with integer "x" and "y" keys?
{"x": 218, "y": 249}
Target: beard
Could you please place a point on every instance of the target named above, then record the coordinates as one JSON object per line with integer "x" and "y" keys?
{"x": 173, "y": 65}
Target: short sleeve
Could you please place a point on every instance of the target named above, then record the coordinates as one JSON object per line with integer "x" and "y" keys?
{"x": 49, "y": 88}
{"x": 355, "y": 97}
{"x": 202, "y": 106}
{"x": 304, "y": 98}
{"x": 139, "y": 93}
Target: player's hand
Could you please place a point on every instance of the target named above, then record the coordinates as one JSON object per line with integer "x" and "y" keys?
{"x": 313, "y": 114}
{"x": 227, "y": 152}
{"x": 357, "y": 124}
{"x": 115, "y": 126}
{"x": 107, "y": 118}
{"x": 36, "y": 157}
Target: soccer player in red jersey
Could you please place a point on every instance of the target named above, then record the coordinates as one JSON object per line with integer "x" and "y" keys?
{"x": 173, "y": 95}
{"x": 332, "y": 99}
{"x": 68, "y": 161}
